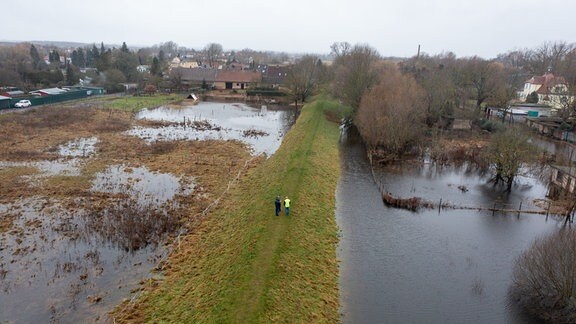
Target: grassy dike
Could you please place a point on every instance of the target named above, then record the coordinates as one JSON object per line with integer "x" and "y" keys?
{"x": 245, "y": 265}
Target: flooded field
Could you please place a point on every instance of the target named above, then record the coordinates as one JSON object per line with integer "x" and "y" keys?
{"x": 261, "y": 128}
{"x": 88, "y": 208}
{"x": 73, "y": 262}
{"x": 453, "y": 266}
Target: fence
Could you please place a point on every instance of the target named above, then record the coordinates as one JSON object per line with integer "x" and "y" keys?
{"x": 417, "y": 203}
{"x": 71, "y": 94}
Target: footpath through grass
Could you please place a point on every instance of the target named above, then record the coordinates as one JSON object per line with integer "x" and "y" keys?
{"x": 245, "y": 265}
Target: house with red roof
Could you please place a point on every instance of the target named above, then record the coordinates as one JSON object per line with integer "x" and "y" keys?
{"x": 551, "y": 90}
{"x": 237, "y": 80}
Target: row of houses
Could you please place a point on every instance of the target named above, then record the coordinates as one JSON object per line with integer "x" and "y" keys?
{"x": 231, "y": 79}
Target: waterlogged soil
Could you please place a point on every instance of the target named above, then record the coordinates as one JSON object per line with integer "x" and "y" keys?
{"x": 88, "y": 211}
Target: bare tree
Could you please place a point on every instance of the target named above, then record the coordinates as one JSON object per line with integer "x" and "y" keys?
{"x": 507, "y": 152}
{"x": 340, "y": 49}
{"x": 545, "y": 278}
{"x": 176, "y": 79}
{"x": 549, "y": 57}
{"x": 354, "y": 74}
{"x": 303, "y": 78}
{"x": 436, "y": 76}
{"x": 391, "y": 115}
{"x": 212, "y": 51}
{"x": 486, "y": 81}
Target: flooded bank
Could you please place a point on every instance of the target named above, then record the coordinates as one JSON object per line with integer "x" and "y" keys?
{"x": 454, "y": 266}
{"x": 261, "y": 128}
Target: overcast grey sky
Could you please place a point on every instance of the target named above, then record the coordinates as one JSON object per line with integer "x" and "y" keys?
{"x": 395, "y": 28}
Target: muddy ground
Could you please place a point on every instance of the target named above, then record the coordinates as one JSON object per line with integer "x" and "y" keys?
{"x": 47, "y": 196}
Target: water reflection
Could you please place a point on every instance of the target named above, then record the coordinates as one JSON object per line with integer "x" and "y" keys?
{"x": 141, "y": 183}
{"x": 81, "y": 147}
{"x": 429, "y": 267}
{"x": 228, "y": 121}
{"x": 562, "y": 150}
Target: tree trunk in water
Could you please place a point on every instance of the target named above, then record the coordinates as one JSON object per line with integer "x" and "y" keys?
{"x": 509, "y": 184}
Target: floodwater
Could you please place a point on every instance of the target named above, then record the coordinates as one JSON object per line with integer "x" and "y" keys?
{"x": 453, "y": 266}
{"x": 261, "y": 128}
{"x": 562, "y": 150}
{"x": 142, "y": 184}
{"x": 70, "y": 162}
{"x": 65, "y": 264}
{"x": 53, "y": 272}
{"x": 82, "y": 147}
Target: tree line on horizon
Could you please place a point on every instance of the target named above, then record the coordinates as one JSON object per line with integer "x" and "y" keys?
{"x": 29, "y": 66}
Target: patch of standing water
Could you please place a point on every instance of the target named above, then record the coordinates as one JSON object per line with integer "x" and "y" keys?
{"x": 141, "y": 182}
{"x": 70, "y": 167}
{"x": 82, "y": 147}
{"x": 53, "y": 269}
{"x": 260, "y": 128}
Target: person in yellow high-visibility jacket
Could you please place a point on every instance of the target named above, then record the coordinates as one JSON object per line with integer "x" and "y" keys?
{"x": 287, "y": 206}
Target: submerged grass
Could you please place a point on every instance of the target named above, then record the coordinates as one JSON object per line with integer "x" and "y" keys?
{"x": 245, "y": 265}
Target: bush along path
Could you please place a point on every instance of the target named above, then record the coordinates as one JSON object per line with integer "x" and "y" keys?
{"x": 243, "y": 264}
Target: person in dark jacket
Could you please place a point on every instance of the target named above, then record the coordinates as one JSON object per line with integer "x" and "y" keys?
{"x": 278, "y": 205}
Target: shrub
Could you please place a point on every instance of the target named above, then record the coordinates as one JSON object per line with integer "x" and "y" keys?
{"x": 532, "y": 98}
{"x": 491, "y": 126}
{"x": 545, "y": 278}
{"x": 150, "y": 89}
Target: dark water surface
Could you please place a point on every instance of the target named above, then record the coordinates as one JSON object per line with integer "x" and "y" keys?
{"x": 428, "y": 267}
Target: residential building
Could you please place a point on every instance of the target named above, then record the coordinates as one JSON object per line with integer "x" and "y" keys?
{"x": 237, "y": 80}
{"x": 219, "y": 79}
{"x": 551, "y": 90}
{"x": 183, "y": 63}
{"x": 197, "y": 77}
{"x": 143, "y": 68}
{"x": 274, "y": 75}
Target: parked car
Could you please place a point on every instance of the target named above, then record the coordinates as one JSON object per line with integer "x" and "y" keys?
{"x": 23, "y": 104}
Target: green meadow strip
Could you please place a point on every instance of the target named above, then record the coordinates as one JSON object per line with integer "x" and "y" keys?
{"x": 137, "y": 103}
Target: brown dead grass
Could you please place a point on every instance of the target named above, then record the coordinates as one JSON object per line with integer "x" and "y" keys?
{"x": 14, "y": 183}
{"x": 34, "y": 134}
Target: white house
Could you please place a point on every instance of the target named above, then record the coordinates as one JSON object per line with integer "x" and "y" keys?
{"x": 183, "y": 63}
{"x": 552, "y": 90}
{"x": 143, "y": 68}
